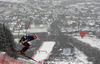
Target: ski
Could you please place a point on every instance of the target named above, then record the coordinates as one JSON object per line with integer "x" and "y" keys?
{"x": 13, "y": 50}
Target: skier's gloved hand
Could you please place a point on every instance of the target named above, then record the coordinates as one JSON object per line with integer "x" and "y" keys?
{"x": 19, "y": 41}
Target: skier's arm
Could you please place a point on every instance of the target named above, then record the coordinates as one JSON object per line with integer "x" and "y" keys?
{"x": 29, "y": 39}
{"x": 21, "y": 39}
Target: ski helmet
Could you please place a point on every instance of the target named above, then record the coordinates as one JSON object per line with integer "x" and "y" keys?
{"x": 35, "y": 36}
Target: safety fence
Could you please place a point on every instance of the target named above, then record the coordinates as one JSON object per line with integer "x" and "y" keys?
{"x": 4, "y": 59}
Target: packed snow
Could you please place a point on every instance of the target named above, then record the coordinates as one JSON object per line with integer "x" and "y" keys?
{"x": 44, "y": 51}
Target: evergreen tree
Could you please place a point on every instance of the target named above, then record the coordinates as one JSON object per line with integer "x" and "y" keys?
{"x": 7, "y": 39}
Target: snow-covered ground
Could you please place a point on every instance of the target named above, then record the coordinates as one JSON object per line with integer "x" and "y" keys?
{"x": 44, "y": 51}
{"x": 81, "y": 57}
{"x": 27, "y": 61}
{"x": 18, "y": 1}
{"x": 93, "y": 41}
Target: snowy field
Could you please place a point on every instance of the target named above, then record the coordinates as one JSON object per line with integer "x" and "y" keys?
{"x": 18, "y": 1}
{"x": 93, "y": 41}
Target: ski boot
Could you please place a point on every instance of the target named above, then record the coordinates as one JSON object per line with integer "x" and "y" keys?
{"x": 22, "y": 53}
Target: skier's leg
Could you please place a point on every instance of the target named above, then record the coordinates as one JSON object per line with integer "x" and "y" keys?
{"x": 27, "y": 46}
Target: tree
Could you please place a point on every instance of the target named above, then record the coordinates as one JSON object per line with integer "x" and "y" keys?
{"x": 7, "y": 39}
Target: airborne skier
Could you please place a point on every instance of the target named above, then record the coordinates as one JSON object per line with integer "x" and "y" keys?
{"x": 24, "y": 40}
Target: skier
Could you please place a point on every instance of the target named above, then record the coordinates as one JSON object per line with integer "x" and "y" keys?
{"x": 24, "y": 40}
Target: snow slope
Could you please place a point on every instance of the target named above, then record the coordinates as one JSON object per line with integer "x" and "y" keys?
{"x": 27, "y": 61}
{"x": 44, "y": 51}
{"x": 93, "y": 41}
